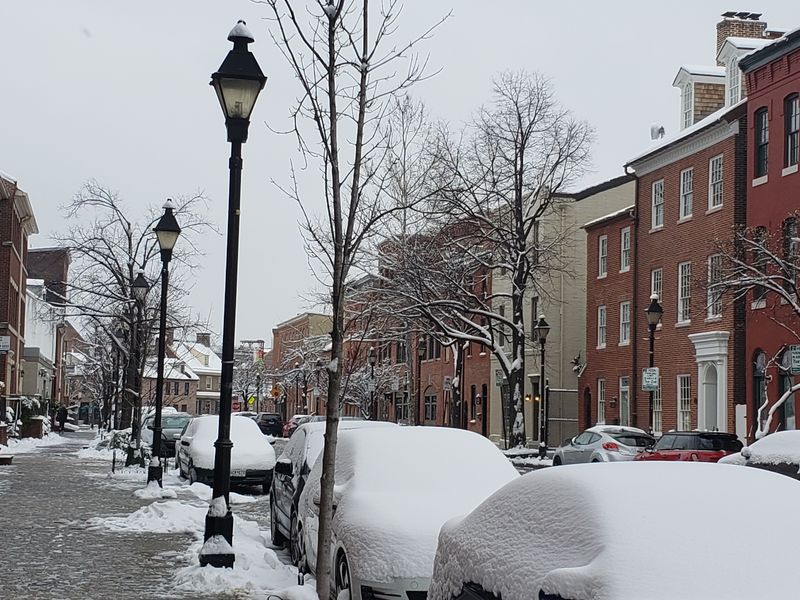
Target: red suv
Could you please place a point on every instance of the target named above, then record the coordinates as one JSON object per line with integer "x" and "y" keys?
{"x": 702, "y": 446}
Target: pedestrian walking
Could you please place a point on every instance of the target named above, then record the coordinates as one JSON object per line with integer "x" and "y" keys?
{"x": 62, "y": 417}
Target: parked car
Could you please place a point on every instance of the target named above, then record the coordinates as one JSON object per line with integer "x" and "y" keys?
{"x": 252, "y": 456}
{"x": 270, "y": 424}
{"x": 603, "y": 443}
{"x": 172, "y": 425}
{"x": 245, "y": 413}
{"x": 579, "y": 533}
{"x": 702, "y": 446}
{"x": 393, "y": 490}
{"x": 297, "y": 420}
{"x": 291, "y": 471}
{"x": 778, "y": 452}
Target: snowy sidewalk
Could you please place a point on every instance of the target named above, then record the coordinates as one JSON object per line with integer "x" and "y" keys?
{"x": 71, "y": 531}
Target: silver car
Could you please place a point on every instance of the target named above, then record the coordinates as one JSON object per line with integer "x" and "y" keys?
{"x": 603, "y": 443}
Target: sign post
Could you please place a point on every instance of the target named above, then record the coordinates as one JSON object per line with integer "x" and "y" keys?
{"x": 650, "y": 379}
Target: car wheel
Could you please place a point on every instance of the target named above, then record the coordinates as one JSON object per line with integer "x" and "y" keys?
{"x": 297, "y": 549}
{"x": 278, "y": 539}
{"x": 556, "y": 461}
{"x": 193, "y": 478}
{"x": 342, "y": 578}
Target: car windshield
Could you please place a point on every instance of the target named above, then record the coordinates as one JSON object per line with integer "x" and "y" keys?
{"x": 638, "y": 441}
{"x": 174, "y": 422}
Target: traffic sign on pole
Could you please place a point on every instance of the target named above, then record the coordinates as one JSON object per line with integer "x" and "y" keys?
{"x": 650, "y": 379}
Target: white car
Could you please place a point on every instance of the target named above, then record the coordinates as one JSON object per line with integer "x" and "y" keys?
{"x": 625, "y": 531}
{"x": 393, "y": 490}
{"x": 778, "y": 452}
{"x": 252, "y": 456}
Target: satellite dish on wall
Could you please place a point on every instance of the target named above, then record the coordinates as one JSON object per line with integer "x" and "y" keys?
{"x": 656, "y": 131}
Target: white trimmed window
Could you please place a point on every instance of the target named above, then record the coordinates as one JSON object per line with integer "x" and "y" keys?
{"x": 601, "y": 401}
{"x": 624, "y": 323}
{"x": 684, "y": 402}
{"x": 734, "y": 81}
{"x": 601, "y": 326}
{"x": 602, "y": 256}
{"x": 688, "y": 105}
{"x": 625, "y": 250}
{"x": 656, "y": 282}
{"x": 657, "y": 410}
{"x": 684, "y": 292}
{"x": 624, "y": 401}
{"x": 715, "y": 182}
{"x": 687, "y": 194}
{"x": 657, "y": 210}
{"x": 714, "y": 290}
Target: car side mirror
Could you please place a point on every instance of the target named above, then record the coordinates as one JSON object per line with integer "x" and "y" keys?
{"x": 745, "y": 452}
{"x": 284, "y": 467}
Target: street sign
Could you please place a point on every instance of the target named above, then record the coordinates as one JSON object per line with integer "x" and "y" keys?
{"x": 499, "y": 376}
{"x": 447, "y": 384}
{"x": 235, "y": 406}
{"x": 650, "y": 379}
{"x": 251, "y": 401}
{"x": 794, "y": 352}
{"x": 276, "y": 391}
{"x": 5, "y": 343}
{"x": 371, "y": 385}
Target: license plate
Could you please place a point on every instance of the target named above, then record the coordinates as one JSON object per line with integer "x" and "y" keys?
{"x": 238, "y": 473}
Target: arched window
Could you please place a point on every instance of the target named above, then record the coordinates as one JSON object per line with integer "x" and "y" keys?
{"x": 734, "y": 81}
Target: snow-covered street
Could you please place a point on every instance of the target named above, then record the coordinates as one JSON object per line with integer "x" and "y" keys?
{"x": 77, "y": 532}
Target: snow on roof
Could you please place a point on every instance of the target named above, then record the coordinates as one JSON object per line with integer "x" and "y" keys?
{"x": 199, "y": 358}
{"x": 708, "y": 70}
{"x": 609, "y": 216}
{"x": 622, "y": 531}
{"x": 776, "y": 448}
{"x": 398, "y": 486}
{"x": 174, "y": 368}
{"x": 670, "y": 140}
{"x": 746, "y": 43}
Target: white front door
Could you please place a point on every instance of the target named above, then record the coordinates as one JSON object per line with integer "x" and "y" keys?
{"x": 710, "y": 399}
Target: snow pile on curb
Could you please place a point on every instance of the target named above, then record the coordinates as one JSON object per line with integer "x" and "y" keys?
{"x": 23, "y": 445}
{"x": 153, "y": 490}
{"x": 171, "y": 516}
{"x": 532, "y": 461}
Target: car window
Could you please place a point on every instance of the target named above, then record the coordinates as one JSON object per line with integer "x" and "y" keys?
{"x": 583, "y": 438}
{"x": 296, "y": 450}
{"x": 188, "y": 428}
{"x": 470, "y": 591}
{"x": 720, "y": 443}
{"x": 174, "y": 422}
{"x": 595, "y": 437}
{"x": 637, "y": 441}
{"x": 685, "y": 442}
{"x": 665, "y": 443}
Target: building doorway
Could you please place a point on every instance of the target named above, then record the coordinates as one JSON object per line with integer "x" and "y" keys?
{"x": 710, "y": 399}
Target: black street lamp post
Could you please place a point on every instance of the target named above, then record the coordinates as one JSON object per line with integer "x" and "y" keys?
{"x": 421, "y": 349}
{"x": 540, "y": 332}
{"x": 237, "y": 83}
{"x": 373, "y": 408}
{"x": 653, "y": 312}
{"x": 167, "y": 231}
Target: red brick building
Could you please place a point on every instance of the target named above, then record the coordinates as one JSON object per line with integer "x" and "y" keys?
{"x": 772, "y": 75}
{"x": 606, "y": 383}
{"x": 17, "y": 223}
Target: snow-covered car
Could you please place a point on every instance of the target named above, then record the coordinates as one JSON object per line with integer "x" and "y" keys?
{"x": 603, "y": 443}
{"x": 172, "y": 425}
{"x": 624, "y": 531}
{"x": 252, "y": 456}
{"x": 778, "y": 452}
{"x": 291, "y": 471}
{"x": 393, "y": 490}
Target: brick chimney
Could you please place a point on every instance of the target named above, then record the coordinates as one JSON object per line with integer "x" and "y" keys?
{"x": 740, "y": 24}
{"x": 204, "y": 339}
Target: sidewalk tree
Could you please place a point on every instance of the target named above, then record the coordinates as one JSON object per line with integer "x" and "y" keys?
{"x": 348, "y": 64}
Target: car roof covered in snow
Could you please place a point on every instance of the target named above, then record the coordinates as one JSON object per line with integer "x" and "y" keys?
{"x": 617, "y": 429}
{"x": 626, "y": 531}
{"x": 315, "y": 440}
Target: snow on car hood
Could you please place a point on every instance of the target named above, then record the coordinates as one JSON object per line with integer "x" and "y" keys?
{"x": 251, "y": 450}
{"x": 396, "y": 487}
{"x": 776, "y": 448}
{"x": 625, "y": 531}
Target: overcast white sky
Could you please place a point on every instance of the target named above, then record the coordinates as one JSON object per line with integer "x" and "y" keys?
{"x": 118, "y": 91}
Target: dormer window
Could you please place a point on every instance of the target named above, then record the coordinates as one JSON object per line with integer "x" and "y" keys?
{"x": 734, "y": 81}
{"x": 688, "y": 105}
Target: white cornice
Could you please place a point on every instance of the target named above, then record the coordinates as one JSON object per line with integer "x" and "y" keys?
{"x": 684, "y": 148}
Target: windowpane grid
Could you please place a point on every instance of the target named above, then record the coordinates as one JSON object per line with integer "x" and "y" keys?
{"x": 684, "y": 292}
{"x": 687, "y": 194}
{"x": 734, "y": 81}
{"x": 762, "y": 142}
{"x": 657, "y": 216}
{"x": 657, "y": 409}
{"x": 792, "y": 112}
{"x": 688, "y": 105}
{"x": 624, "y": 323}
{"x": 715, "y": 182}
{"x": 714, "y": 290}
{"x": 656, "y": 282}
{"x": 625, "y": 249}
{"x": 684, "y": 402}
{"x": 602, "y": 256}
{"x": 601, "y": 401}
{"x": 624, "y": 401}
{"x": 601, "y": 326}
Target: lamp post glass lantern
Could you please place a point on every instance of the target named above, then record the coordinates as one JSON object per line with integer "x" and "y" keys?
{"x": 237, "y": 83}
{"x": 167, "y": 232}
{"x": 540, "y": 332}
{"x": 654, "y": 313}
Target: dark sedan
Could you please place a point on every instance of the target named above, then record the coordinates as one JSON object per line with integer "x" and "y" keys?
{"x": 270, "y": 424}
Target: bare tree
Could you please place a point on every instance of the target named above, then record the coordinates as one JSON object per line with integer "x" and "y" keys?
{"x": 108, "y": 248}
{"x": 343, "y": 55}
